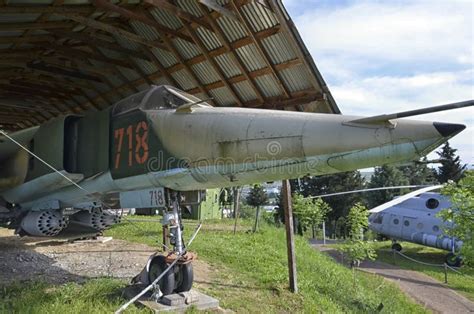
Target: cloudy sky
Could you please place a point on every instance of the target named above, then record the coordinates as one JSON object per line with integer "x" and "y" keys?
{"x": 389, "y": 56}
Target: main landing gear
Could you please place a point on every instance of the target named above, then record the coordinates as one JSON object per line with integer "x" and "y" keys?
{"x": 180, "y": 277}
{"x": 453, "y": 260}
{"x": 396, "y": 246}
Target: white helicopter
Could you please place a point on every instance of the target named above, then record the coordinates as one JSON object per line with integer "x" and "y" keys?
{"x": 413, "y": 218}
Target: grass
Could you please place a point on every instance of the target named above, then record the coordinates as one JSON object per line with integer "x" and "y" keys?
{"x": 462, "y": 283}
{"x": 249, "y": 272}
{"x": 95, "y": 296}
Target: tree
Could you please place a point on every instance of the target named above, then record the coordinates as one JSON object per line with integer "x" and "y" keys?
{"x": 356, "y": 248}
{"x": 418, "y": 173}
{"x": 310, "y": 212}
{"x": 461, "y": 215}
{"x": 339, "y": 182}
{"x": 451, "y": 168}
{"x": 256, "y": 198}
{"x": 385, "y": 176}
{"x": 357, "y": 221}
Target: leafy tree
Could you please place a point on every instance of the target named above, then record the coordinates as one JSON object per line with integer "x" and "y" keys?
{"x": 419, "y": 173}
{"x": 385, "y": 176}
{"x": 451, "y": 168}
{"x": 310, "y": 213}
{"x": 256, "y": 198}
{"x": 357, "y": 221}
{"x": 357, "y": 249}
{"x": 461, "y": 214}
{"x": 339, "y": 182}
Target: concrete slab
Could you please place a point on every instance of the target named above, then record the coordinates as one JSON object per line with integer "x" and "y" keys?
{"x": 177, "y": 302}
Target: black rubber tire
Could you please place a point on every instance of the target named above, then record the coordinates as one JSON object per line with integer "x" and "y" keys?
{"x": 157, "y": 266}
{"x": 397, "y": 247}
{"x": 185, "y": 277}
{"x": 453, "y": 260}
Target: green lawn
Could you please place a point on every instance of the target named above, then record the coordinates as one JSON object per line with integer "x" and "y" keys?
{"x": 462, "y": 283}
{"x": 95, "y": 296}
{"x": 249, "y": 272}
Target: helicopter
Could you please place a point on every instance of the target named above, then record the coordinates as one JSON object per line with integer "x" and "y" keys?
{"x": 413, "y": 218}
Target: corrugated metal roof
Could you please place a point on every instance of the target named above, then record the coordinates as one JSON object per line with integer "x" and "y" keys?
{"x": 252, "y": 56}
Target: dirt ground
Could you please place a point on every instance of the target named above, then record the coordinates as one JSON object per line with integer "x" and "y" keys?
{"x": 59, "y": 261}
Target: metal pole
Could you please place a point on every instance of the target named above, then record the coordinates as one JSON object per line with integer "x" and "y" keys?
{"x": 290, "y": 241}
{"x": 324, "y": 232}
{"x": 445, "y": 273}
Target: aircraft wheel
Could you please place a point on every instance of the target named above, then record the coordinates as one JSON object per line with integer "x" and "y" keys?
{"x": 453, "y": 260}
{"x": 157, "y": 266}
{"x": 397, "y": 247}
{"x": 184, "y": 277}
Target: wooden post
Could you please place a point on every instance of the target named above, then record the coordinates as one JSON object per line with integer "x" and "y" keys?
{"x": 290, "y": 242}
{"x": 236, "y": 206}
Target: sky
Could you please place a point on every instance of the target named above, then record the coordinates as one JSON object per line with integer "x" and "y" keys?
{"x": 389, "y": 56}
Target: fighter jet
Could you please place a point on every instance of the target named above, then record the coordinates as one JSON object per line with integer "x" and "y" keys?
{"x": 165, "y": 138}
{"x": 146, "y": 147}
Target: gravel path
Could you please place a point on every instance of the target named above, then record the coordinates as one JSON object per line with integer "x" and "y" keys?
{"x": 58, "y": 261}
{"x": 423, "y": 289}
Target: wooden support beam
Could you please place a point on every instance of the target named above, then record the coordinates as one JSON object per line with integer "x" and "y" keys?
{"x": 65, "y": 50}
{"x": 290, "y": 241}
{"x": 297, "y": 98}
{"x": 42, "y": 87}
{"x": 221, "y": 36}
{"x": 177, "y": 11}
{"x": 113, "y": 30}
{"x": 46, "y": 9}
{"x": 254, "y": 74}
{"x": 260, "y": 49}
{"x": 34, "y": 25}
{"x": 214, "y": 64}
{"x": 33, "y": 38}
{"x": 41, "y": 66}
{"x": 170, "y": 47}
{"x": 34, "y": 91}
{"x": 109, "y": 6}
{"x": 90, "y": 39}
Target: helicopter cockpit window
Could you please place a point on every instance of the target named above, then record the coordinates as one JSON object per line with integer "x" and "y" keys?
{"x": 432, "y": 203}
{"x": 377, "y": 218}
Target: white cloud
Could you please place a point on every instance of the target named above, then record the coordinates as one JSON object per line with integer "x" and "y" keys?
{"x": 392, "y": 30}
{"x": 382, "y": 57}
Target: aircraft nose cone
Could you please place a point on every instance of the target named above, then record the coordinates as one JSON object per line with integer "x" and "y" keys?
{"x": 448, "y": 129}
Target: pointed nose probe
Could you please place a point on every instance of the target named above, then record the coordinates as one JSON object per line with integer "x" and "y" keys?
{"x": 448, "y": 129}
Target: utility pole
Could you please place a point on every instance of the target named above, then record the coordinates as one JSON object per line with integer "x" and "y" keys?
{"x": 290, "y": 241}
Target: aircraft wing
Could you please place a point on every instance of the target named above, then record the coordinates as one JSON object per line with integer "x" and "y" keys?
{"x": 403, "y": 198}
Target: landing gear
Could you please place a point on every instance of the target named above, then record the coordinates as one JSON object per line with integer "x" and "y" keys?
{"x": 157, "y": 266}
{"x": 453, "y": 260}
{"x": 396, "y": 246}
{"x": 180, "y": 277}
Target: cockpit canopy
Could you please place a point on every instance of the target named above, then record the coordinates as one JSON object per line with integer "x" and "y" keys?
{"x": 155, "y": 98}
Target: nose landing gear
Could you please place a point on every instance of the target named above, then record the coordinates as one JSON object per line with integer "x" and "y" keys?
{"x": 180, "y": 277}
